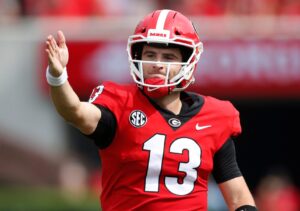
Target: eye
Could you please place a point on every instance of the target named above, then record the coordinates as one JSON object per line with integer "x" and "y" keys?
{"x": 149, "y": 56}
{"x": 170, "y": 57}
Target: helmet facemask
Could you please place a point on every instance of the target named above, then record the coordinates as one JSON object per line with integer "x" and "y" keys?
{"x": 178, "y": 82}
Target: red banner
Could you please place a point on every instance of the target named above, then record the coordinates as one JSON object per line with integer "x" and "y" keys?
{"x": 231, "y": 68}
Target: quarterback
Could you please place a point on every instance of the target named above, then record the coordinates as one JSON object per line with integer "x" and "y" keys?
{"x": 158, "y": 143}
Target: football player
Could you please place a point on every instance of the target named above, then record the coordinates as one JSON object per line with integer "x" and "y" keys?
{"x": 158, "y": 143}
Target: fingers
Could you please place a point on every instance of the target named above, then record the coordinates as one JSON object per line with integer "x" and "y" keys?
{"x": 50, "y": 48}
{"x": 61, "y": 39}
{"x": 49, "y": 52}
{"x": 50, "y": 57}
{"x": 52, "y": 45}
{"x": 56, "y": 48}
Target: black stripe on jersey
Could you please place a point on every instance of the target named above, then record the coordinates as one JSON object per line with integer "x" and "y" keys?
{"x": 191, "y": 105}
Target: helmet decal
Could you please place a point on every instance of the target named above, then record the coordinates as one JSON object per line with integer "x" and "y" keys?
{"x": 162, "y": 19}
{"x": 159, "y": 31}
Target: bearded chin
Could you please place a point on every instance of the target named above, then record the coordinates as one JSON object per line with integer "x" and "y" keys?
{"x": 153, "y": 92}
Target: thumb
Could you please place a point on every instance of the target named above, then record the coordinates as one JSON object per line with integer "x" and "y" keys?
{"x": 61, "y": 39}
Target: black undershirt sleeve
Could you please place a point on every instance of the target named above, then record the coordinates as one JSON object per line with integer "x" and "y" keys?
{"x": 106, "y": 128}
{"x": 225, "y": 164}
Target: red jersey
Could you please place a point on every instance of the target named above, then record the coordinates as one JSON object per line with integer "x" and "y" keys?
{"x": 159, "y": 160}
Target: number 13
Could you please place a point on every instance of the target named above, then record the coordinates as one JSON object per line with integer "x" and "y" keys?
{"x": 155, "y": 145}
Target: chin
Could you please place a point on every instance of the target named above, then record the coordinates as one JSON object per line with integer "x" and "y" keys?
{"x": 156, "y": 76}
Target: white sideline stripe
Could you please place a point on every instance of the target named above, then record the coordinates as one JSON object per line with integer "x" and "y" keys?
{"x": 162, "y": 19}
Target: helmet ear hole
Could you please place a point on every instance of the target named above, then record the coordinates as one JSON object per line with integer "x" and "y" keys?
{"x": 177, "y": 32}
{"x": 136, "y": 50}
{"x": 186, "y": 53}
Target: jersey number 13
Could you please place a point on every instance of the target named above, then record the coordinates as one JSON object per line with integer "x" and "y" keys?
{"x": 155, "y": 145}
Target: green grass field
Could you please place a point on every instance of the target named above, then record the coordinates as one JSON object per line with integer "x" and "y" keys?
{"x": 46, "y": 199}
{"x": 23, "y": 199}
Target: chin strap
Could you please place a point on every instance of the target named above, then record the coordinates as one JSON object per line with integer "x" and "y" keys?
{"x": 154, "y": 92}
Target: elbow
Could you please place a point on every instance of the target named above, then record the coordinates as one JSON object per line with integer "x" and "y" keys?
{"x": 77, "y": 121}
{"x": 69, "y": 114}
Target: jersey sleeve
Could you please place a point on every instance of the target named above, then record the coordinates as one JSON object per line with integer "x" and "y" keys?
{"x": 236, "y": 125}
{"x": 110, "y": 96}
{"x": 231, "y": 126}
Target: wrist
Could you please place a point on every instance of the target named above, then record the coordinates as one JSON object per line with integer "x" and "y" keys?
{"x": 56, "y": 81}
{"x": 246, "y": 208}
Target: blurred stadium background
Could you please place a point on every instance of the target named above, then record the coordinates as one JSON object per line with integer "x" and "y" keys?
{"x": 251, "y": 57}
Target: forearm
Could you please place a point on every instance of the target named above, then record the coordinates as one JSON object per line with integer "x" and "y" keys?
{"x": 83, "y": 115}
{"x": 66, "y": 101}
{"x": 242, "y": 198}
{"x": 236, "y": 193}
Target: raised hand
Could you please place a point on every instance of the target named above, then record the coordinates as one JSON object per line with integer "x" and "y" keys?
{"x": 58, "y": 54}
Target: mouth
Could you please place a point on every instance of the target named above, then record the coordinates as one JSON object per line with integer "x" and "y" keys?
{"x": 156, "y": 76}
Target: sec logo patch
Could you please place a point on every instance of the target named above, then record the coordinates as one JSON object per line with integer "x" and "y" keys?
{"x": 137, "y": 118}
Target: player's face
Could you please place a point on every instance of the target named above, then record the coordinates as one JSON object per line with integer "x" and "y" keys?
{"x": 155, "y": 54}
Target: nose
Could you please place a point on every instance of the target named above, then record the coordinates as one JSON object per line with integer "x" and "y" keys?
{"x": 158, "y": 65}
{"x": 158, "y": 68}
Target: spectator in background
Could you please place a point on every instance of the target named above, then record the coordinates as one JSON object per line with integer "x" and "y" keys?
{"x": 118, "y": 7}
{"x": 195, "y": 7}
{"x": 128, "y": 7}
{"x": 83, "y": 8}
{"x": 237, "y": 7}
{"x": 276, "y": 192}
{"x": 233, "y": 7}
{"x": 9, "y": 10}
{"x": 252, "y": 7}
{"x": 290, "y": 7}
{"x": 75, "y": 8}
{"x": 265, "y": 7}
{"x": 202, "y": 7}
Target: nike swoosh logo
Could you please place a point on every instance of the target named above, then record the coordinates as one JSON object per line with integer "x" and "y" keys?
{"x": 151, "y": 89}
{"x": 198, "y": 127}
